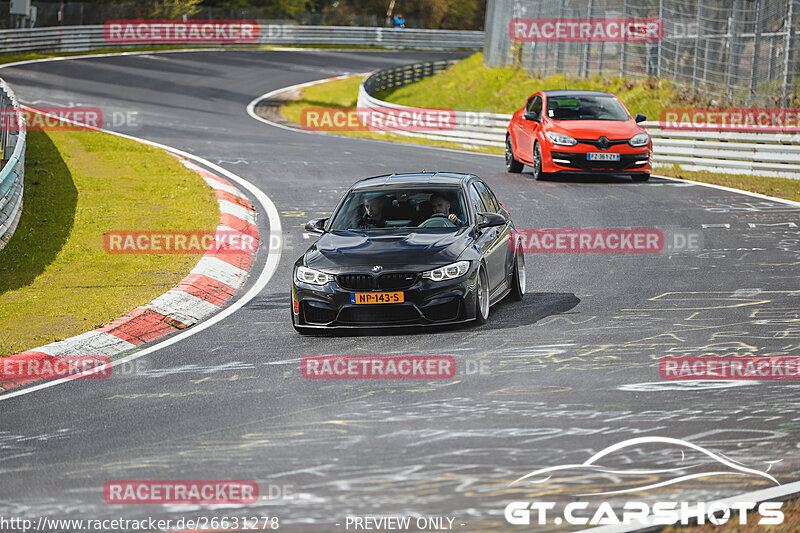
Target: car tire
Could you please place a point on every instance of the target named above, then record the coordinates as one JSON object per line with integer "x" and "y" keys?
{"x": 512, "y": 165}
{"x": 481, "y": 296}
{"x": 537, "y": 163}
{"x": 640, "y": 177}
{"x": 518, "y": 278}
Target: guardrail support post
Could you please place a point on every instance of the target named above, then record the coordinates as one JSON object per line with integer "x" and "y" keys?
{"x": 756, "y": 48}
{"x": 789, "y": 52}
{"x": 587, "y": 50}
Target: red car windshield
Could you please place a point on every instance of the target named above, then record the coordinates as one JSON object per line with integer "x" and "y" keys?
{"x": 585, "y": 108}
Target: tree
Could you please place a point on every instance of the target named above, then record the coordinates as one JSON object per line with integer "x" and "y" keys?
{"x": 170, "y": 9}
{"x": 275, "y": 8}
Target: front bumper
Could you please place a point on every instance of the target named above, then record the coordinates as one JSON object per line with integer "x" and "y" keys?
{"x": 576, "y": 161}
{"x": 426, "y": 303}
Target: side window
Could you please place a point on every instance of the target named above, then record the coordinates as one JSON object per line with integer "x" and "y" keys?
{"x": 487, "y": 196}
{"x": 536, "y": 105}
{"x": 475, "y": 199}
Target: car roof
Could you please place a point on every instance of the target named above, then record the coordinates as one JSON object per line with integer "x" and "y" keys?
{"x": 432, "y": 179}
{"x": 575, "y": 93}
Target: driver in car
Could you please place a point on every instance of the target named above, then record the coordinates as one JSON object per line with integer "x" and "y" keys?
{"x": 441, "y": 217}
{"x": 375, "y": 212}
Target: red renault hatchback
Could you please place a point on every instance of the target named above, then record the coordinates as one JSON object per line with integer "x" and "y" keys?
{"x": 577, "y": 132}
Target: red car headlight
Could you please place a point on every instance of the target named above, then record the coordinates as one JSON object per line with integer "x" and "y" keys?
{"x": 561, "y": 139}
{"x": 639, "y": 140}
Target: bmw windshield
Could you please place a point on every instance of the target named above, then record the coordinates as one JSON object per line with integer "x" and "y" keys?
{"x": 592, "y": 107}
{"x": 383, "y": 209}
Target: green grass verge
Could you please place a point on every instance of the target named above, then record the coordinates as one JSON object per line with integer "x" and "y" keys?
{"x": 471, "y": 86}
{"x": 56, "y": 280}
{"x": 344, "y": 93}
{"x": 778, "y": 187}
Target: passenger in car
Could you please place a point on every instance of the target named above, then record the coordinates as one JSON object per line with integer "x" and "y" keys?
{"x": 441, "y": 217}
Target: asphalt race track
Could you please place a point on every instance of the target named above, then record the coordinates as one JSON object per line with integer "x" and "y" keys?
{"x": 569, "y": 371}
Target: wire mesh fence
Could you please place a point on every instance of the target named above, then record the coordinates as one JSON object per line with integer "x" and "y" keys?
{"x": 93, "y": 12}
{"x": 742, "y": 51}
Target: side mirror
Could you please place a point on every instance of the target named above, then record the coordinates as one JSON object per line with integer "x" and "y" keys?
{"x": 316, "y": 225}
{"x": 640, "y": 118}
{"x": 491, "y": 220}
{"x": 532, "y": 116}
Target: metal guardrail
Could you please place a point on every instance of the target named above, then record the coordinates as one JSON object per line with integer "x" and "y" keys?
{"x": 765, "y": 154}
{"x": 87, "y": 38}
{"x": 391, "y": 78}
{"x": 12, "y": 173}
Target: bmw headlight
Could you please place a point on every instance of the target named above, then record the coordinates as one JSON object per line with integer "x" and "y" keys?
{"x": 314, "y": 277}
{"x": 451, "y": 271}
{"x": 639, "y": 140}
{"x": 560, "y": 138}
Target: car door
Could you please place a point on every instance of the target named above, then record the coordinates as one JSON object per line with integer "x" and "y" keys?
{"x": 484, "y": 237}
{"x": 498, "y": 256}
{"x": 521, "y": 135}
{"x": 530, "y": 128}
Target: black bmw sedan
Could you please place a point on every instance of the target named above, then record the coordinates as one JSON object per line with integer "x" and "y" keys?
{"x": 408, "y": 249}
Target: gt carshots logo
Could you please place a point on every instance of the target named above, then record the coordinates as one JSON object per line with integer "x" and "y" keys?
{"x": 637, "y": 512}
{"x": 690, "y": 459}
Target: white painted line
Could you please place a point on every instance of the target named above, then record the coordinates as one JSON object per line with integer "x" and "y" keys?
{"x": 251, "y": 110}
{"x": 731, "y": 189}
{"x": 109, "y": 54}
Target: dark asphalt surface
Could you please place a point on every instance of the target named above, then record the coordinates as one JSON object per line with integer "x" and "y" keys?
{"x": 569, "y": 371}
